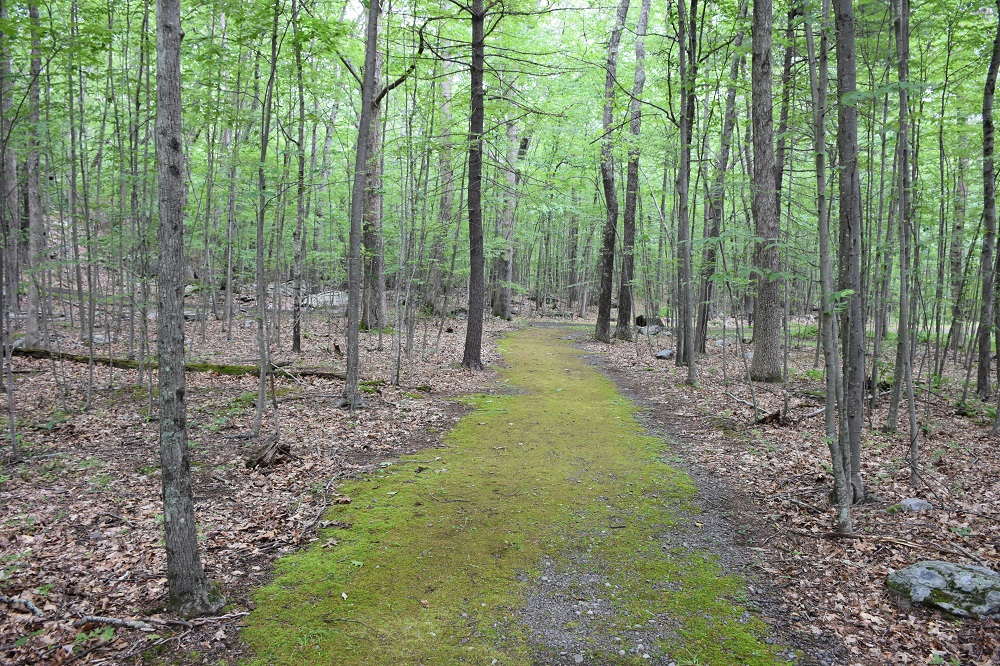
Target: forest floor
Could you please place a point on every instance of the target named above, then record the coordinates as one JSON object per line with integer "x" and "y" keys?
{"x": 80, "y": 533}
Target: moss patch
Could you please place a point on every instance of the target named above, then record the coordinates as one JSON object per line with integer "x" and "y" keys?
{"x": 445, "y": 545}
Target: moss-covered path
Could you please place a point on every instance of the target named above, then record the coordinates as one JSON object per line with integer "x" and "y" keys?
{"x": 535, "y": 536}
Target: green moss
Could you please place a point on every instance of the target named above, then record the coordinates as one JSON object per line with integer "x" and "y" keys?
{"x": 441, "y": 555}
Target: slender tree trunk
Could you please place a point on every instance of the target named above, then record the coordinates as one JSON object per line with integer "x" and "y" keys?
{"x": 36, "y": 222}
{"x": 989, "y": 169}
{"x": 352, "y": 396}
{"x": 374, "y": 312}
{"x": 190, "y": 592}
{"x": 828, "y": 327}
{"x": 503, "y": 266}
{"x": 766, "y": 365}
{"x": 472, "y": 356}
{"x": 261, "y": 275}
{"x": 850, "y": 241}
{"x": 603, "y": 330}
{"x": 10, "y": 214}
{"x": 299, "y": 239}
{"x": 686, "y": 21}
{"x": 717, "y": 193}
{"x": 624, "y": 329}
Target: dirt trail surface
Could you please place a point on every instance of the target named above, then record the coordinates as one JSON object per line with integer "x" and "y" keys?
{"x": 547, "y": 529}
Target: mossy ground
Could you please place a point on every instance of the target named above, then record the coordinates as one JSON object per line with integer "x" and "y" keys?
{"x": 445, "y": 544}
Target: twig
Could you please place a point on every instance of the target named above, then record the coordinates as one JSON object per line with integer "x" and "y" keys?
{"x": 115, "y": 516}
{"x": 114, "y": 622}
{"x": 958, "y": 550}
{"x": 815, "y": 412}
{"x": 217, "y": 618}
{"x": 345, "y": 619}
{"x": 969, "y": 554}
{"x": 26, "y": 603}
{"x": 182, "y": 623}
{"x": 755, "y": 408}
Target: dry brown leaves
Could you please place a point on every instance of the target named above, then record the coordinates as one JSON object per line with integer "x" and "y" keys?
{"x": 80, "y": 518}
{"x": 833, "y": 585}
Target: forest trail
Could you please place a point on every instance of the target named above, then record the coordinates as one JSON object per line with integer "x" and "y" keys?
{"x": 539, "y": 533}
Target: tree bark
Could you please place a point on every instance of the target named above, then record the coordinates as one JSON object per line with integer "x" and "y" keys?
{"x": 688, "y": 69}
{"x": 819, "y": 84}
{"x": 717, "y": 193}
{"x": 374, "y": 312}
{"x": 265, "y": 135}
{"x": 503, "y": 266}
{"x": 766, "y": 364}
{"x": 36, "y": 222}
{"x": 352, "y": 395}
{"x": 472, "y": 355}
{"x": 299, "y": 237}
{"x": 623, "y": 331}
{"x": 190, "y": 592}
{"x": 989, "y": 218}
{"x": 850, "y": 241}
{"x": 603, "y": 329}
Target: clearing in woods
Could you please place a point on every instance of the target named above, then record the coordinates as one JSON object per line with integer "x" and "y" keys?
{"x": 534, "y": 535}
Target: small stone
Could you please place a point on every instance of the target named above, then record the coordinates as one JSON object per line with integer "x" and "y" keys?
{"x": 578, "y": 658}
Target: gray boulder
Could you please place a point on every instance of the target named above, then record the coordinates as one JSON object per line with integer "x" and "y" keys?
{"x": 960, "y": 589}
{"x": 665, "y": 354}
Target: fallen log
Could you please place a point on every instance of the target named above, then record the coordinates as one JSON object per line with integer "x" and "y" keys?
{"x": 132, "y": 364}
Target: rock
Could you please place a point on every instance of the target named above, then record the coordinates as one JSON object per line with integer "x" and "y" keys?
{"x": 724, "y": 343}
{"x": 578, "y": 658}
{"x": 643, "y": 320}
{"x": 326, "y": 299}
{"x": 665, "y": 354}
{"x": 652, "y": 329}
{"x": 910, "y": 505}
{"x": 959, "y": 589}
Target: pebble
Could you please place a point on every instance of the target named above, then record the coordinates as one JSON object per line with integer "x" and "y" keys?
{"x": 578, "y": 658}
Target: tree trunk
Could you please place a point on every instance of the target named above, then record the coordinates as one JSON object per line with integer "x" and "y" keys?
{"x": 9, "y": 206}
{"x": 36, "y": 222}
{"x": 717, "y": 193}
{"x": 989, "y": 170}
{"x": 828, "y": 327}
{"x": 190, "y": 592}
{"x": 472, "y": 356}
{"x": 504, "y": 263}
{"x": 265, "y": 134}
{"x": 850, "y": 241}
{"x": 352, "y": 397}
{"x": 766, "y": 364}
{"x": 374, "y": 313}
{"x": 624, "y": 329}
{"x": 904, "y": 355}
{"x": 299, "y": 237}
{"x": 688, "y": 69}
{"x": 603, "y": 330}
